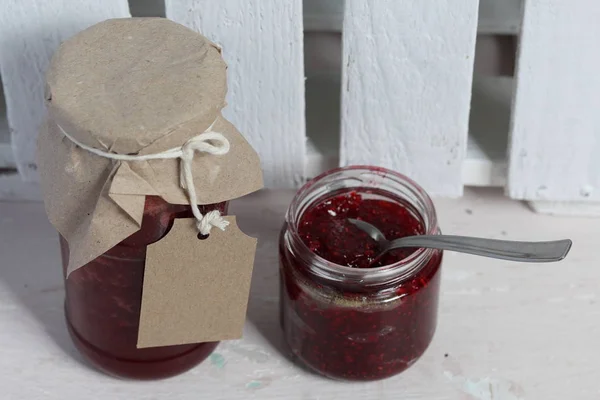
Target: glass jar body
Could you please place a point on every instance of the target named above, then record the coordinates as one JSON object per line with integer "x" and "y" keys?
{"x": 358, "y": 336}
{"x": 103, "y": 302}
{"x": 356, "y": 324}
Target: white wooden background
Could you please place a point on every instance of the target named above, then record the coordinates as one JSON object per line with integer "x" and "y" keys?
{"x": 400, "y": 91}
{"x": 406, "y": 87}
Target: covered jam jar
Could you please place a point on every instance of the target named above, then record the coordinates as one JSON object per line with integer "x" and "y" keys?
{"x": 134, "y": 112}
{"x": 103, "y": 300}
{"x": 347, "y": 313}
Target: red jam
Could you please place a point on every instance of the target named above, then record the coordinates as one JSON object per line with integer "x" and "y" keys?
{"x": 325, "y": 229}
{"x": 103, "y": 300}
{"x": 344, "y": 328}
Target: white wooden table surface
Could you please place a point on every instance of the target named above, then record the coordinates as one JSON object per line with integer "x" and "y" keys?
{"x": 506, "y": 331}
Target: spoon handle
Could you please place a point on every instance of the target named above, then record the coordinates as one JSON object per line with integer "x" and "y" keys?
{"x": 503, "y": 249}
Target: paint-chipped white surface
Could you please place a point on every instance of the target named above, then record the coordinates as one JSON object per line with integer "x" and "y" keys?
{"x": 506, "y": 331}
{"x": 555, "y": 130}
{"x": 406, "y": 88}
{"x": 262, "y": 44}
{"x": 30, "y": 31}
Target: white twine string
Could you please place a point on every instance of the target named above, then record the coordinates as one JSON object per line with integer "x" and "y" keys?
{"x": 207, "y": 142}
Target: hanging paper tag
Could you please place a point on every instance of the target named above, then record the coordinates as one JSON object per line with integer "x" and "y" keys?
{"x": 196, "y": 290}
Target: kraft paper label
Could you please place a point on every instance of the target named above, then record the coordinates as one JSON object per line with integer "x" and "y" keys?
{"x": 196, "y": 290}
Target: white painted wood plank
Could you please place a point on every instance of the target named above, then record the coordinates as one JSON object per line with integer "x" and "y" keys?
{"x": 406, "y": 87}
{"x": 554, "y": 138}
{"x": 506, "y": 331}
{"x": 262, "y": 45}
{"x": 30, "y": 31}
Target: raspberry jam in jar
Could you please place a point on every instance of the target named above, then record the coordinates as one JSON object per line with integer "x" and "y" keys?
{"x": 345, "y": 312}
{"x": 103, "y": 301}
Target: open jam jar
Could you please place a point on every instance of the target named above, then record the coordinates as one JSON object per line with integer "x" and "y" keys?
{"x": 346, "y": 313}
{"x": 103, "y": 301}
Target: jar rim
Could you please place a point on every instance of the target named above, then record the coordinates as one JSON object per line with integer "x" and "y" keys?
{"x": 399, "y": 270}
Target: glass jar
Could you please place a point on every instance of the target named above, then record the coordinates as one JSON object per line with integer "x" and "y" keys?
{"x": 103, "y": 301}
{"x": 358, "y": 323}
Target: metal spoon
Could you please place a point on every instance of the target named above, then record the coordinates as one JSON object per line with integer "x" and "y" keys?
{"x": 503, "y": 249}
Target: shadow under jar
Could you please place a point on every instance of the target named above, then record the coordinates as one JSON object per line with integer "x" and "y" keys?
{"x": 103, "y": 302}
{"x": 345, "y": 313}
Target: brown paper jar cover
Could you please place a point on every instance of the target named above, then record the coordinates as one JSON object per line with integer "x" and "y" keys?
{"x": 135, "y": 86}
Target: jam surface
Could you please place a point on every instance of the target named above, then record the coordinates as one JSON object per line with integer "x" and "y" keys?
{"x": 324, "y": 228}
{"x": 348, "y": 331}
{"x": 103, "y": 302}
